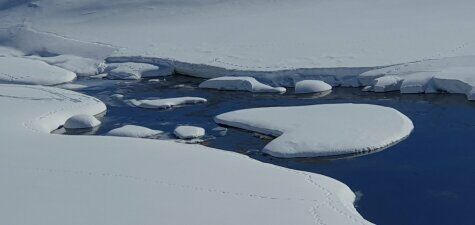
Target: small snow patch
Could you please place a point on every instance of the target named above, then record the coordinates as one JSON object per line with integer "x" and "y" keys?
{"x": 81, "y": 121}
{"x": 240, "y": 84}
{"x": 165, "y": 103}
{"x": 133, "y": 131}
{"x": 311, "y": 86}
{"x": 189, "y": 132}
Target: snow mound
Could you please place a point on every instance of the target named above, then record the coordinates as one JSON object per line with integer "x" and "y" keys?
{"x": 81, "y": 121}
{"x": 28, "y": 71}
{"x": 311, "y": 86}
{"x": 133, "y": 131}
{"x": 165, "y": 103}
{"x": 452, "y": 75}
{"x": 79, "y": 65}
{"x": 189, "y": 132}
{"x": 322, "y": 130}
{"x": 240, "y": 84}
{"x": 134, "y": 71}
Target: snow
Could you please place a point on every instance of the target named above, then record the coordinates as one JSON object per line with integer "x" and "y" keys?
{"x": 452, "y": 75}
{"x": 311, "y": 86}
{"x": 79, "y": 65}
{"x": 189, "y": 132}
{"x": 133, "y": 131}
{"x": 81, "y": 121}
{"x": 204, "y": 41}
{"x": 9, "y": 52}
{"x": 165, "y": 103}
{"x": 323, "y": 130}
{"x": 61, "y": 179}
{"x": 28, "y": 71}
{"x": 240, "y": 84}
{"x": 135, "y": 71}
{"x": 71, "y": 86}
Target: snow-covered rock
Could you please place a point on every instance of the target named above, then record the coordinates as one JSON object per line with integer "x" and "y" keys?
{"x": 189, "y": 132}
{"x": 62, "y": 179}
{"x": 311, "y": 86}
{"x": 452, "y": 75}
{"x": 29, "y": 71}
{"x": 239, "y": 84}
{"x": 133, "y": 131}
{"x": 165, "y": 103}
{"x": 79, "y": 65}
{"x": 322, "y": 130}
{"x": 135, "y": 71}
{"x": 81, "y": 121}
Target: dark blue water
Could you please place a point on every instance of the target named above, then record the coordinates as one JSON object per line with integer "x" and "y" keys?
{"x": 429, "y": 178}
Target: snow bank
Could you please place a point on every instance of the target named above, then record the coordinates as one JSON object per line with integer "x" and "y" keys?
{"x": 135, "y": 71}
{"x": 322, "y": 130}
{"x": 9, "y": 52}
{"x": 81, "y": 121}
{"x": 239, "y": 84}
{"x": 133, "y": 131}
{"x": 189, "y": 132}
{"x": 452, "y": 75}
{"x": 79, "y": 65}
{"x": 28, "y": 71}
{"x": 61, "y": 179}
{"x": 165, "y": 103}
{"x": 311, "y": 86}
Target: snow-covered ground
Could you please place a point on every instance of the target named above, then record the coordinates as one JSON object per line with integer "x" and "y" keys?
{"x": 59, "y": 179}
{"x": 322, "y": 130}
{"x": 279, "y": 42}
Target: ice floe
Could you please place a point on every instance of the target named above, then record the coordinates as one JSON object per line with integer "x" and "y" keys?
{"x": 29, "y": 71}
{"x": 322, "y": 130}
{"x": 189, "y": 132}
{"x": 311, "y": 86}
{"x": 71, "y": 86}
{"x": 133, "y": 131}
{"x": 165, "y": 103}
{"x": 239, "y": 84}
{"x": 452, "y": 75}
{"x": 81, "y": 121}
{"x": 135, "y": 71}
{"x": 61, "y": 179}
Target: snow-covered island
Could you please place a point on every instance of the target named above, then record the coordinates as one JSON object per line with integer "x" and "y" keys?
{"x": 62, "y": 63}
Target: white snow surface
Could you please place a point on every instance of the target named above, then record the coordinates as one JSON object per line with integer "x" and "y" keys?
{"x": 452, "y": 75}
{"x": 81, "y": 121}
{"x": 165, "y": 103}
{"x": 239, "y": 84}
{"x": 9, "y": 52}
{"x": 311, "y": 86}
{"x": 134, "y": 71}
{"x": 79, "y": 65}
{"x": 322, "y": 130}
{"x": 133, "y": 131}
{"x": 28, "y": 71}
{"x": 189, "y": 132}
{"x": 61, "y": 179}
{"x": 204, "y": 40}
